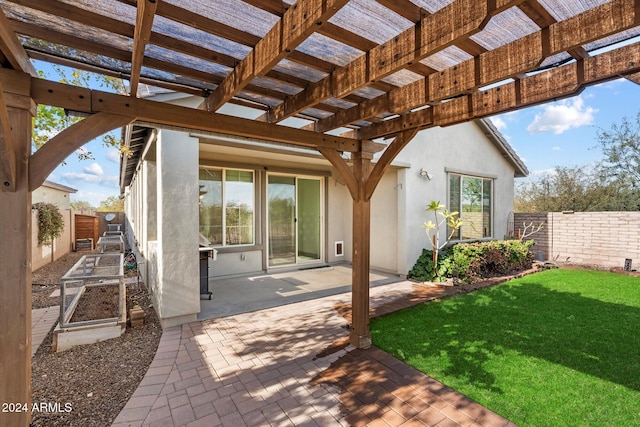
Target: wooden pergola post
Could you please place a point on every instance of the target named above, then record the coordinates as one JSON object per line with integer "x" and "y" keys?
{"x": 15, "y": 252}
{"x": 360, "y": 336}
{"x": 361, "y": 180}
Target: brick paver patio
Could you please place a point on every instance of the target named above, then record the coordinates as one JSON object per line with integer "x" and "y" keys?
{"x": 291, "y": 365}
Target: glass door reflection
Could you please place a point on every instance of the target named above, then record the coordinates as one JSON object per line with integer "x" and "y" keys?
{"x": 281, "y": 191}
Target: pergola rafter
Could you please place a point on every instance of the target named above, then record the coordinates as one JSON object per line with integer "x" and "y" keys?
{"x": 511, "y": 60}
{"x": 553, "y": 84}
{"x": 431, "y": 34}
{"x": 88, "y": 101}
{"x": 144, "y": 20}
{"x": 297, "y": 23}
{"x": 322, "y": 60}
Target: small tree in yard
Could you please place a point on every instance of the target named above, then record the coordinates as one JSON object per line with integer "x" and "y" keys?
{"x": 442, "y": 216}
{"x": 50, "y": 224}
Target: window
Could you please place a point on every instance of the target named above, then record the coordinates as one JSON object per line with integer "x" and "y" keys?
{"x": 472, "y": 197}
{"x": 227, "y": 206}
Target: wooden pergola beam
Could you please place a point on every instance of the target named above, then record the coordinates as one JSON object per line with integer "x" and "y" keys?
{"x": 633, "y": 77}
{"x": 82, "y": 66}
{"x": 92, "y": 101}
{"x": 58, "y": 148}
{"x": 510, "y": 60}
{"x": 200, "y": 52}
{"x": 13, "y": 95}
{"x": 433, "y": 33}
{"x": 550, "y": 85}
{"x": 145, "y": 13}
{"x": 161, "y": 40}
{"x": 399, "y": 142}
{"x": 12, "y": 49}
{"x": 342, "y": 168}
{"x": 297, "y": 23}
{"x": 7, "y": 153}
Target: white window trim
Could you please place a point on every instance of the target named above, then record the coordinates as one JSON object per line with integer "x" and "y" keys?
{"x": 461, "y": 174}
{"x": 224, "y": 205}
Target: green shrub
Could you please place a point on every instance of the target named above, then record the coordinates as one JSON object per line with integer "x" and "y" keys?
{"x": 471, "y": 262}
{"x": 425, "y": 271}
{"x": 50, "y": 223}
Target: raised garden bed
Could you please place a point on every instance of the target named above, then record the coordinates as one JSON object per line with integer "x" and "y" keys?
{"x": 92, "y": 301}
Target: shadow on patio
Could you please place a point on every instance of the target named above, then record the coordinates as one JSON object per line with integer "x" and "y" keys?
{"x": 272, "y": 367}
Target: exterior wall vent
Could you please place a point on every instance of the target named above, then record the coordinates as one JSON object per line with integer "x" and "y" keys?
{"x": 339, "y": 248}
{"x": 627, "y": 264}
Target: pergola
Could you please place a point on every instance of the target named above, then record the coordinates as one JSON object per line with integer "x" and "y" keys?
{"x": 356, "y": 70}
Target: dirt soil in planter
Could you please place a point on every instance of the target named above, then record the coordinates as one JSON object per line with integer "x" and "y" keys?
{"x": 96, "y": 380}
{"x": 99, "y": 302}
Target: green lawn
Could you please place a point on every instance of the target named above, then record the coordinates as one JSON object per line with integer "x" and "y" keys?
{"x": 557, "y": 348}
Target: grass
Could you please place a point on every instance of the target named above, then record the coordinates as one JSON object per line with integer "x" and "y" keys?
{"x": 557, "y": 348}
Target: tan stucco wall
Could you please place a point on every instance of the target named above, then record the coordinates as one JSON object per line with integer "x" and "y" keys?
{"x": 41, "y": 254}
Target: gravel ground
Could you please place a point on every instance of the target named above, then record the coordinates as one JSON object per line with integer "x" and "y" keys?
{"x": 88, "y": 385}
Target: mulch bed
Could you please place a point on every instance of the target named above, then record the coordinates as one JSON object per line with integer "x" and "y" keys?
{"x": 93, "y": 382}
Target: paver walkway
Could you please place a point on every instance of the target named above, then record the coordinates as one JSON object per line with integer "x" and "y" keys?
{"x": 291, "y": 365}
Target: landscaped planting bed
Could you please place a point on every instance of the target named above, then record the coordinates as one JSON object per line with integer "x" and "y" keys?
{"x": 560, "y": 347}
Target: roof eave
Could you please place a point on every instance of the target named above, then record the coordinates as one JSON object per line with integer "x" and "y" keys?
{"x": 503, "y": 146}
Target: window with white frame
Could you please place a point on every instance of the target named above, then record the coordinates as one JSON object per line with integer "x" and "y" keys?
{"x": 472, "y": 197}
{"x": 227, "y": 198}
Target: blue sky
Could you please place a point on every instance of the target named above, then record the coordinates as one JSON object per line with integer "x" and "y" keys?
{"x": 564, "y": 133}
{"x": 561, "y": 133}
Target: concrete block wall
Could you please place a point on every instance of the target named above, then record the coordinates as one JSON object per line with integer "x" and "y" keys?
{"x": 542, "y": 248}
{"x": 599, "y": 238}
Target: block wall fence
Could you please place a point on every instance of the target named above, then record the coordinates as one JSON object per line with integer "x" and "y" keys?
{"x": 598, "y": 238}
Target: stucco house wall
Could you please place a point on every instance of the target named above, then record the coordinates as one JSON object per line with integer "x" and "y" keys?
{"x": 57, "y": 194}
{"x": 162, "y": 214}
{"x": 463, "y": 149}
{"x": 162, "y": 203}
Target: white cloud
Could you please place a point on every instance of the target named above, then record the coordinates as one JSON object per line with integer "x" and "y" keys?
{"x": 498, "y": 123}
{"x": 75, "y": 178}
{"x": 560, "y": 117}
{"x": 555, "y": 148}
{"x": 113, "y": 155}
{"x": 94, "y": 169}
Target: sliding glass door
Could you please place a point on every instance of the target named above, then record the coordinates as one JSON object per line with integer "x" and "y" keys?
{"x": 294, "y": 219}
{"x": 281, "y": 193}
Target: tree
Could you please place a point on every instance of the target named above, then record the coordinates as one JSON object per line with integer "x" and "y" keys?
{"x": 50, "y": 224}
{"x": 579, "y": 188}
{"x": 111, "y": 204}
{"x": 621, "y": 148}
{"x": 452, "y": 221}
{"x": 49, "y": 121}
{"x": 81, "y": 205}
